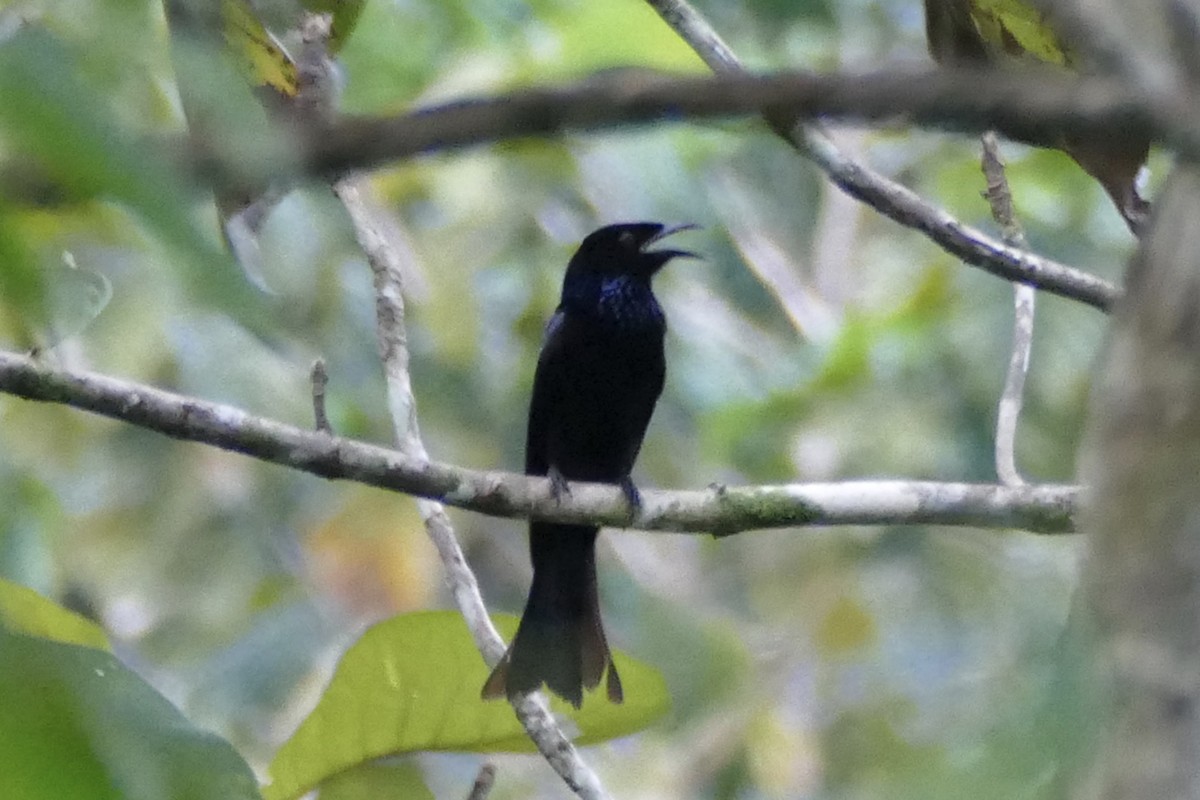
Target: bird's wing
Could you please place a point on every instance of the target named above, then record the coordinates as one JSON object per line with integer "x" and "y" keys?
{"x": 639, "y": 405}
{"x": 547, "y": 383}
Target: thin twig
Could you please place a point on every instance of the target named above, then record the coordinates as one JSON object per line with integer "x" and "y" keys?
{"x": 483, "y": 782}
{"x": 721, "y": 510}
{"x": 386, "y": 265}
{"x": 320, "y": 379}
{"x": 1008, "y": 414}
{"x": 897, "y": 202}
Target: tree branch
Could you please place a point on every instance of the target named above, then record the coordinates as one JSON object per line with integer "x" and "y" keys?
{"x": 1029, "y": 105}
{"x": 889, "y": 198}
{"x": 1008, "y": 413}
{"x": 1036, "y": 106}
{"x": 717, "y": 510}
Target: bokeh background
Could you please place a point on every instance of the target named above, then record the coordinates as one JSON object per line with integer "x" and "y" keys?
{"x": 815, "y": 341}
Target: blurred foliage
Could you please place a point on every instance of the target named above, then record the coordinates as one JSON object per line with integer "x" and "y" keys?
{"x": 817, "y": 341}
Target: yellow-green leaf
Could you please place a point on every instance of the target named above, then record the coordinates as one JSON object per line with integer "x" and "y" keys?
{"x": 261, "y": 57}
{"x": 990, "y": 31}
{"x": 412, "y": 683}
{"x": 22, "y": 610}
{"x": 378, "y": 781}
{"x": 1005, "y": 23}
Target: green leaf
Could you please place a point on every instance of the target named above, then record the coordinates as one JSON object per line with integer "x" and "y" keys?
{"x": 412, "y": 683}
{"x": 261, "y": 59}
{"x": 1011, "y": 24}
{"x": 75, "y": 723}
{"x": 378, "y": 781}
{"x": 22, "y": 610}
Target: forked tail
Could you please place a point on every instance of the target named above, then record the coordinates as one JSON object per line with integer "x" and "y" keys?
{"x": 560, "y": 641}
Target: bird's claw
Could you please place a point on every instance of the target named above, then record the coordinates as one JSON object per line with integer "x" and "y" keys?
{"x": 632, "y": 495}
{"x": 559, "y": 488}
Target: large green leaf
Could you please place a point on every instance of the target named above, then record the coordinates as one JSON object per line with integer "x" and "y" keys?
{"x": 412, "y": 683}
{"x": 75, "y": 723}
{"x": 22, "y": 610}
{"x": 379, "y": 780}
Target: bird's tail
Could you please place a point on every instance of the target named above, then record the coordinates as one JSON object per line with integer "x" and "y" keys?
{"x": 560, "y": 641}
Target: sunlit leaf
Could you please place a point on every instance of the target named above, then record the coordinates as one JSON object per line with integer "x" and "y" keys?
{"x": 986, "y": 30}
{"x": 22, "y": 610}
{"x": 412, "y": 683}
{"x": 261, "y": 56}
{"x": 74, "y": 722}
{"x": 1014, "y": 26}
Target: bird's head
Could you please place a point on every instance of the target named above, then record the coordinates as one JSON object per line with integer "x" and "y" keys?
{"x": 621, "y": 249}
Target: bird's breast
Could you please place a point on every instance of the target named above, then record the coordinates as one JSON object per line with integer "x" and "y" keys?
{"x": 604, "y": 395}
{"x": 628, "y": 306}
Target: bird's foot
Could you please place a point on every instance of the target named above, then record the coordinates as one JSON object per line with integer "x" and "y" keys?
{"x": 632, "y": 495}
{"x": 559, "y": 488}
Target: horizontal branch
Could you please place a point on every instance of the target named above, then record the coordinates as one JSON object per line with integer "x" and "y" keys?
{"x": 1038, "y": 107}
{"x": 965, "y": 242}
{"x": 717, "y": 510}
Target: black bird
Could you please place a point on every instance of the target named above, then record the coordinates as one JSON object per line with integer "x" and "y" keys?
{"x": 598, "y": 377}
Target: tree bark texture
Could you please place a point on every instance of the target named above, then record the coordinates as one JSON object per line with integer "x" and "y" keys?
{"x": 1141, "y": 465}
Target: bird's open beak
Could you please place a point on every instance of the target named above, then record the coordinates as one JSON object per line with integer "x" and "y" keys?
{"x": 666, "y": 231}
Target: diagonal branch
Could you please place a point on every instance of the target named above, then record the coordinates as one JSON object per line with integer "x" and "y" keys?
{"x": 893, "y": 200}
{"x": 717, "y": 510}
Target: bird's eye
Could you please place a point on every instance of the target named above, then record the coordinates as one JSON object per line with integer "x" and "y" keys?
{"x": 626, "y": 239}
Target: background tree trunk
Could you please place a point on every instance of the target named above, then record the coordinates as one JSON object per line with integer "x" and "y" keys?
{"x": 1142, "y": 464}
